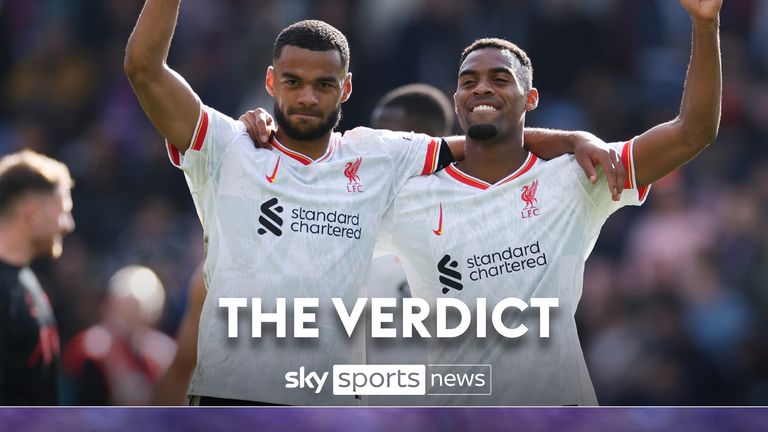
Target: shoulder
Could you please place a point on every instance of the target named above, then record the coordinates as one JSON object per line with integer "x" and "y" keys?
{"x": 223, "y": 126}
{"x": 565, "y": 168}
{"x": 426, "y": 188}
{"x": 8, "y": 278}
{"x": 378, "y": 137}
{"x": 362, "y": 133}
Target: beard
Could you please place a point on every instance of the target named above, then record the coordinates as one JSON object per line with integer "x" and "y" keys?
{"x": 482, "y": 132}
{"x": 328, "y": 124}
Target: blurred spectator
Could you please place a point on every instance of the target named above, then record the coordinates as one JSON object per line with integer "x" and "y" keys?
{"x": 118, "y": 360}
{"x": 35, "y": 214}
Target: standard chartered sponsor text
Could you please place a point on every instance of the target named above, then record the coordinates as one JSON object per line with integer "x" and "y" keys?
{"x": 331, "y": 223}
{"x": 505, "y": 261}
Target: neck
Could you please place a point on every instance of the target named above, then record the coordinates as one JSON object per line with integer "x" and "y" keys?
{"x": 494, "y": 159}
{"x": 15, "y": 247}
{"x": 313, "y": 149}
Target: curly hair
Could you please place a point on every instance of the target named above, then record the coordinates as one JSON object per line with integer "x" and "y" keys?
{"x": 313, "y": 35}
{"x": 503, "y": 45}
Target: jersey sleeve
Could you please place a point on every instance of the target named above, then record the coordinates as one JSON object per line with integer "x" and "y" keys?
{"x": 214, "y": 133}
{"x": 412, "y": 154}
{"x": 600, "y": 196}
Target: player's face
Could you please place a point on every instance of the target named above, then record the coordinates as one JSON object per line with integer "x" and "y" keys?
{"x": 52, "y": 222}
{"x": 309, "y": 88}
{"x": 490, "y": 98}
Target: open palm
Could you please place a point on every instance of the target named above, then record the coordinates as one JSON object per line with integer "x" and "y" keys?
{"x": 705, "y": 9}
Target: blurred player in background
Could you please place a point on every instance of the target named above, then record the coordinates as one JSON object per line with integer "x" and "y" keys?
{"x": 259, "y": 206}
{"x": 419, "y": 108}
{"x": 506, "y": 224}
{"x": 118, "y": 360}
{"x": 35, "y": 215}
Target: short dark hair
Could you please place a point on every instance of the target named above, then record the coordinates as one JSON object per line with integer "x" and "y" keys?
{"x": 421, "y": 100}
{"x": 28, "y": 172}
{"x": 503, "y": 45}
{"x": 313, "y": 35}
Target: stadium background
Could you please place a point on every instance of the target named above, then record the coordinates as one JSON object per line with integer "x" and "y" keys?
{"x": 675, "y": 304}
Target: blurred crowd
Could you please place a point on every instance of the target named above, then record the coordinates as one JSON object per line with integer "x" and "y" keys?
{"x": 675, "y": 302}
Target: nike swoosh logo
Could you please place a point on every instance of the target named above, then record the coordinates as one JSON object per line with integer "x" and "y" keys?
{"x": 271, "y": 178}
{"x": 439, "y": 230}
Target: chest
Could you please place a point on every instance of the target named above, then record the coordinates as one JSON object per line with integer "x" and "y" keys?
{"x": 445, "y": 216}
{"x": 354, "y": 182}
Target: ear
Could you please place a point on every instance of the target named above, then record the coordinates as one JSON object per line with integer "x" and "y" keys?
{"x": 455, "y": 106}
{"x": 532, "y": 100}
{"x": 346, "y": 90}
{"x": 269, "y": 82}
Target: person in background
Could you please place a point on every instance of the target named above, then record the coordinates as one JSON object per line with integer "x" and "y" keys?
{"x": 118, "y": 360}
{"x": 35, "y": 215}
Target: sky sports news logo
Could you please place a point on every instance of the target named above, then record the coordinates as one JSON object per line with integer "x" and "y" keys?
{"x": 396, "y": 380}
{"x": 307, "y": 221}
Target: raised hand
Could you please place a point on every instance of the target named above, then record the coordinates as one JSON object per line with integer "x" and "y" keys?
{"x": 703, "y": 9}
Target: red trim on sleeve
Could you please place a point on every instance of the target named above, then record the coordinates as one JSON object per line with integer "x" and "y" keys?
{"x": 173, "y": 154}
{"x": 202, "y": 130}
{"x": 642, "y": 192}
{"x": 626, "y": 160}
{"x": 430, "y": 163}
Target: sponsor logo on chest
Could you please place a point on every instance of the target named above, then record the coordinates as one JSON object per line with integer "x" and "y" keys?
{"x": 303, "y": 220}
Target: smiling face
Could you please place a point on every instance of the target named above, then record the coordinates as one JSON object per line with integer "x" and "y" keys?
{"x": 309, "y": 88}
{"x": 491, "y": 97}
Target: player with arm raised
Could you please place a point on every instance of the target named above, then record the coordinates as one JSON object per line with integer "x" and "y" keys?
{"x": 504, "y": 224}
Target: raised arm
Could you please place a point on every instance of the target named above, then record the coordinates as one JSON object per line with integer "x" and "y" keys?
{"x": 667, "y": 146}
{"x": 165, "y": 96}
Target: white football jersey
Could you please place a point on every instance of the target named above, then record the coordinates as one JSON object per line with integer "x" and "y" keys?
{"x": 280, "y": 225}
{"x": 387, "y": 279}
{"x": 526, "y": 237}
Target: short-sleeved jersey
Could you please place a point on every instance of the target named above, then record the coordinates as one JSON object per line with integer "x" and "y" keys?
{"x": 280, "y": 225}
{"x": 29, "y": 340}
{"x": 526, "y": 237}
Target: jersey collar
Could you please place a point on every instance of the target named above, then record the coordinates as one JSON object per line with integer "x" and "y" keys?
{"x": 333, "y": 143}
{"x": 467, "y": 179}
